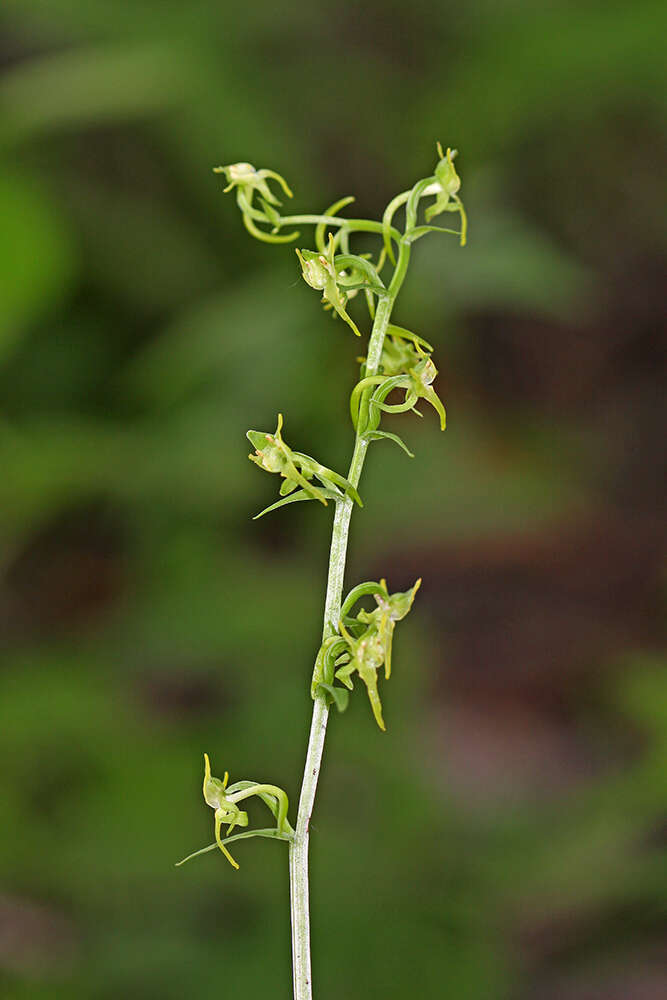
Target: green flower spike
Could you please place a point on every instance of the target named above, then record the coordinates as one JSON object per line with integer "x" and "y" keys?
{"x": 273, "y": 454}
{"x": 319, "y": 271}
{"x": 390, "y": 609}
{"x": 398, "y": 371}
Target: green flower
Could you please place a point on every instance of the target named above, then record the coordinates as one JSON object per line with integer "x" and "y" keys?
{"x": 397, "y": 357}
{"x": 421, "y": 377}
{"x": 366, "y": 657}
{"x": 416, "y": 382}
{"x": 446, "y": 188}
{"x": 248, "y": 182}
{"x": 367, "y": 651}
{"x": 273, "y": 454}
{"x": 223, "y": 798}
{"x": 245, "y": 177}
{"x": 389, "y": 610}
{"x": 226, "y": 811}
{"x": 319, "y": 271}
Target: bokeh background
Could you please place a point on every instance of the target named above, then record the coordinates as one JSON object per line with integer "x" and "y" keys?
{"x": 506, "y": 838}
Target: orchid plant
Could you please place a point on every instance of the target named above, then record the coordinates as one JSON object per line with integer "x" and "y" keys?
{"x": 356, "y": 640}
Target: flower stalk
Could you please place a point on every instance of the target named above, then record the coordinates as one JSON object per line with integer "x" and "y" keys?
{"x": 396, "y": 360}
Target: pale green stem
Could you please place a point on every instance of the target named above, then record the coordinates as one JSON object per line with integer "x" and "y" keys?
{"x": 298, "y": 849}
{"x": 353, "y": 225}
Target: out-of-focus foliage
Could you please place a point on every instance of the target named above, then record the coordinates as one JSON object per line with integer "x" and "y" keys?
{"x": 147, "y": 618}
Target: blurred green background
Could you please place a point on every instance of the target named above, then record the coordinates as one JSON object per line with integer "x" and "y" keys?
{"x": 507, "y": 834}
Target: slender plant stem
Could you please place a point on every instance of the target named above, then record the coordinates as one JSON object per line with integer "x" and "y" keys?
{"x": 298, "y": 850}
{"x": 352, "y": 225}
